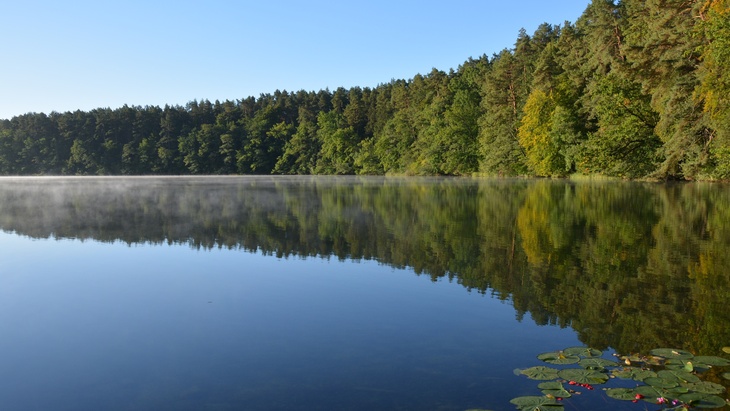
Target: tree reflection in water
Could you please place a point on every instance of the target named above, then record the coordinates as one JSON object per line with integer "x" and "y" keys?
{"x": 630, "y": 266}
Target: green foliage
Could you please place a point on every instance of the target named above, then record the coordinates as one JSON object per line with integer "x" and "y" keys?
{"x": 301, "y": 151}
{"x": 714, "y": 90}
{"x": 392, "y": 146}
{"x": 583, "y": 376}
{"x": 676, "y": 388}
{"x": 558, "y": 357}
{"x": 540, "y": 373}
{"x": 500, "y": 151}
{"x": 663, "y": 55}
{"x": 431, "y": 96}
{"x": 339, "y": 144}
{"x": 633, "y": 89}
{"x": 543, "y": 154}
{"x": 624, "y": 145}
{"x": 366, "y": 161}
{"x": 534, "y": 403}
{"x": 460, "y": 138}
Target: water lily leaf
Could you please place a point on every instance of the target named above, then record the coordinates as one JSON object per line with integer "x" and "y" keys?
{"x": 678, "y": 376}
{"x": 652, "y": 393}
{"x": 621, "y": 393}
{"x": 558, "y": 357}
{"x": 648, "y": 395}
{"x": 554, "y": 389}
{"x": 658, "y": 382}
{"x": 654, "y": 360}
{"x": 700, "y": 400}
{"x": 628, "y": 359}
{"x": 711, "y": 360}
{"x": 550, "y": 385}
{"x": 597, "y": 363}
{"x": 633, "y": 373}
{"x": 679, "y": 365}
{"x": 726, "y": 349}
{"x": 726, "y": 376}
{"x": 541, "y": 373}
{"x": 535, "y": 403}
{"x": 583, "y": 376}
{"x": 670, "y": 353}
{"x": 585, "y": 352}
{"x": 705, "y": 387}
{"x": 563, "y": 393}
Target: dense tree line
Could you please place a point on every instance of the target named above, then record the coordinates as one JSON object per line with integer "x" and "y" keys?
{"x": 632, "y": 89}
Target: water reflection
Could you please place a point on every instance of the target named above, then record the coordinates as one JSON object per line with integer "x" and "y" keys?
{"x": 627, "y": 265}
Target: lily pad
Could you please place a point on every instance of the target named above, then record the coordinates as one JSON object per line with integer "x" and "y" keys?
{"x": 711, "y": 360}
{"x": 558, "y": 358}
{"x": 585, "y": 352}
{"x": 652, "y": 393}
{"x": 557, "y": 393}
{"x": 726, "y": 350}
{"x": 541, "y": 373}
{"x": 583, "y": 376}
{"x": 535, "y": 403}
{"x": 554, "y": 389}
{"x": 633, "y": 373}
{"x": 629, "y": 359}
{"x": 700, "y": 400}
{"x": 705, "y": 387}
{"x": 654, "y": 360}
{"x": 670, "y": 353}
{"x": 597, "y": 363}
{"x": 658, "y": 382}
{"x": 626, "y": 394}
{"x": 685, "y": 365}
{"x": 550, "y": 385}
{"x": 678, "y": 376}
{"x": 726, "y": 376}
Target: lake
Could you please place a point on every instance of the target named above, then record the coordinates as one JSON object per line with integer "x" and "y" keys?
{"x": 346, "y": 293}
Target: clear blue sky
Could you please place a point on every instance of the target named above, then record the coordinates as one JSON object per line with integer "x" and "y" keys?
{"x": 63, "y": 56}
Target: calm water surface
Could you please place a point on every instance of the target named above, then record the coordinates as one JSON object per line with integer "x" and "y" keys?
{"x": 343, "y": 293}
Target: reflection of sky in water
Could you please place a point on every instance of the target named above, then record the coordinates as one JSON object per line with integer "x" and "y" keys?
{"x": 88, "y": 325}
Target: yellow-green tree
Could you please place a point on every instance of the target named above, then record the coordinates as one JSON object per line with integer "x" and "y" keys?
{"x": 715, "y": 81}
{"x": 535, "y": 136}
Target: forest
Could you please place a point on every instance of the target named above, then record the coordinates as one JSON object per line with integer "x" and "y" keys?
{"x": 634, "y": 89}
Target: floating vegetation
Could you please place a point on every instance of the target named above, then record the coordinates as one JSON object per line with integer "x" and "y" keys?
{"x": 583, "y": 376}
{"x": 541, "y": 373}
{"x": 554, "y": 389}
{"x": 623, "y": 394}
{"x": 599, "y": 364}
{"x": 558, "y": 357}
{"x": 632, "y": 373}
{"x": 583, "y": 352}
{"x": 535, "y": 403}
{"x": 671, "y": 353}
{"x": 669, "y": 377}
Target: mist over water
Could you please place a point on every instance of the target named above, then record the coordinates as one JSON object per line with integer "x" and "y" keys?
{"x": 269, "y": 293}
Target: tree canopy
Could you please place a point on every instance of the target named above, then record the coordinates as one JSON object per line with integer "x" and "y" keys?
{"x": 632, "y": 89}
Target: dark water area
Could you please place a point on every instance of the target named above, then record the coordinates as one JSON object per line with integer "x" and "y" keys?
{"x": 348, "y": 293}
